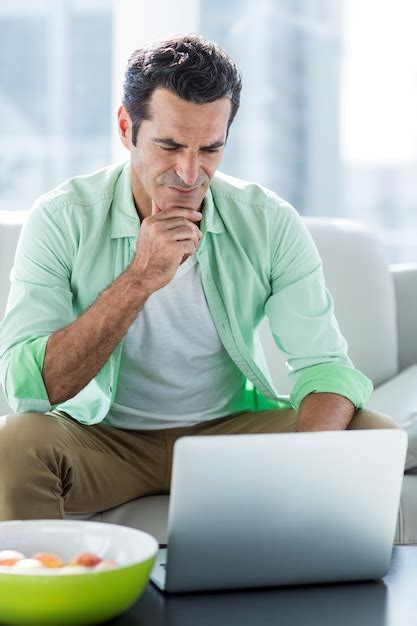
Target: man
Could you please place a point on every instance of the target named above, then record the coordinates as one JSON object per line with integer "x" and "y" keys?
{"x": 135, "y": 298}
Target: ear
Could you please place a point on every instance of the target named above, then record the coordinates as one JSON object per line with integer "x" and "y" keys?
{"x": 124, "y": 125}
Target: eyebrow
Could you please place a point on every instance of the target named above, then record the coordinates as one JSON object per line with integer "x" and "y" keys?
{"x": 174, "y": 144}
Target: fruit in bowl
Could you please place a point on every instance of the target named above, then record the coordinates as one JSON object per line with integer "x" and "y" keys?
{"x": 10, "y": 557}
{"x": 71, "y": 572}
{"x": 88, "y": 559}
{"x": 48, "y": 560}
{"x": 12, "y": 562}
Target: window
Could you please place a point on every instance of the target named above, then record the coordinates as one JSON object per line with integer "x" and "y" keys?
{"x": 328, "y": 116}
{"x": 55, "y": 95}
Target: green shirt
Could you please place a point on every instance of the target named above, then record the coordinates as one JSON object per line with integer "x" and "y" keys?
{"x": 256, "y": 258}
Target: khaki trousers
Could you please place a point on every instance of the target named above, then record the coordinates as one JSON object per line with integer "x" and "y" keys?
{"x": 50, "y": 465}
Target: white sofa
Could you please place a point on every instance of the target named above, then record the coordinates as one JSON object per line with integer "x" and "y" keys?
{"x": 376, "y": 306}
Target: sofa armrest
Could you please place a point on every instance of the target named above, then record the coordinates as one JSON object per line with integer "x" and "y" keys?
{"x": 405, "y": 281}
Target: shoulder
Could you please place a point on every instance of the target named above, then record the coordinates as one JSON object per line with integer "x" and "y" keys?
{"x": 86, "y": 191}
{"x": 252, "y": 198}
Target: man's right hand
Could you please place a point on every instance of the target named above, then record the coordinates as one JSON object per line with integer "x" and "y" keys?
{"x": 165, "y": 238}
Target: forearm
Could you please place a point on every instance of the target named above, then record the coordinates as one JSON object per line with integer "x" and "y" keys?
{"x": 324, "y": 411}
{"x": 75, "y": 354}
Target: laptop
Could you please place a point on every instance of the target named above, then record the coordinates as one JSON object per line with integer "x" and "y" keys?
{"x": 281, "y": 509}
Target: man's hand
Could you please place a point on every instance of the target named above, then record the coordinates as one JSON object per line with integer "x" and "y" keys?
{"x": 165, "y": 238}
{"x": 324, "y": 411}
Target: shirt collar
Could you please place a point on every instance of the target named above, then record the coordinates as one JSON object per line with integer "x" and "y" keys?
{"x": 211, "y": 221}
{"x": 124, "y": 217}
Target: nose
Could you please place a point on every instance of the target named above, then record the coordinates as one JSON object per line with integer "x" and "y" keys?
{"x": 187, "y": 168}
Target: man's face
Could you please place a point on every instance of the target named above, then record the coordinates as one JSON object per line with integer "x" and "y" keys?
{"x": 177, "y": 151}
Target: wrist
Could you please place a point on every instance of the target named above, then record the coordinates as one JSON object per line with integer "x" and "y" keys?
{"x": 138, "y": 282}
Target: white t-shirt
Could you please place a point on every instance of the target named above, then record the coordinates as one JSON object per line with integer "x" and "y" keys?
{"x": 174, "y": 369}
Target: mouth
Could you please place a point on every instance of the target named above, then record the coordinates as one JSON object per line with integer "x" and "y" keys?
{"x": 184, "y": 192}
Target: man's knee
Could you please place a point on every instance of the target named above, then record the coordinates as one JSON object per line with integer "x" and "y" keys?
{"x": 366, "y": 419}
{"x": 30, "y": 447}
{"x": 23, "y": 431}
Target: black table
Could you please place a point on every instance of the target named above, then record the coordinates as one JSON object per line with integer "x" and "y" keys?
{"x": 391, "y": 601}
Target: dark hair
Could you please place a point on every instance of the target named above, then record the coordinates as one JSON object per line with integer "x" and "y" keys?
{"x": 190, "y": 66}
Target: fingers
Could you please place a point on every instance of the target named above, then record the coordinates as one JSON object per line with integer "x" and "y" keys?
{"x": 178, "y": 222}
{"x": 189, "y": 214}
{"x": 181, "y": 234}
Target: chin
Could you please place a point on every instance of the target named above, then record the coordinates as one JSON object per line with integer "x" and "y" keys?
{"x": 186, "y": 203}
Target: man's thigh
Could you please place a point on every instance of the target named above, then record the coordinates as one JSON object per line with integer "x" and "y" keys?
{"x": 97, "y": 467}
{"x": 272, "y": 421}
{"x": 366, "y": 419}
{"x": 281, "y": 421}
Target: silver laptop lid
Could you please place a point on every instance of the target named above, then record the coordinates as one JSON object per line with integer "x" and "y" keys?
{"x": 260, "y": 510}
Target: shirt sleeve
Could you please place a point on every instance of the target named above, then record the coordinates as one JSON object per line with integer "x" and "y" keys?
{"x": 301, "y": 315}
{"x": 39, "y": 303}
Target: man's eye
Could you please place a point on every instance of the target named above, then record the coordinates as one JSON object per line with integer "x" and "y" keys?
{"x": 211, "y": 150}
{"x": 168, "y": 149}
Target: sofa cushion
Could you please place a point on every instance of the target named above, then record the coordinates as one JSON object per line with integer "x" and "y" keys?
{"x": 398, "y": 399}
{"x": 149, "y": 514}
{"x": 405, "y": 281}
